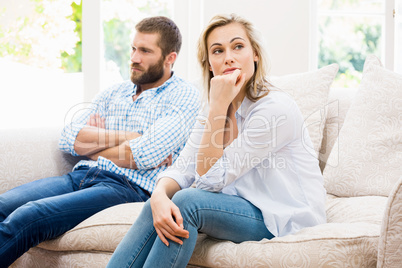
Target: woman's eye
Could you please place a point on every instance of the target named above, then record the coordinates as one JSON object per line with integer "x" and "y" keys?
{"x": 217, "y": 51}
{"x": 239, "y": 46}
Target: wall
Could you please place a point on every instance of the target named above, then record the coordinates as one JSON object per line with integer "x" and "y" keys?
{"x": 283, "y": 24}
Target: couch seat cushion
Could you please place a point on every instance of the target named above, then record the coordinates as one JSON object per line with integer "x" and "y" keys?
{"x": 326, "y": 245}
{"x": 352, "y": 232}
{"x": 368, "y": 209}
{"x": 349, "y": 239}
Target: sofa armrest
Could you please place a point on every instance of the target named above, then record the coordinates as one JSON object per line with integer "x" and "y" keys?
{"x": 390, "y": 244}
{"x": 31, "y": 154}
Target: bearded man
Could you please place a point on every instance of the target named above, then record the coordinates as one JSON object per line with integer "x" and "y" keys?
{"x": 129, "y": 134}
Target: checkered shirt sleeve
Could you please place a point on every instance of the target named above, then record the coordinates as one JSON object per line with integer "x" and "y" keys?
{"x": 78, "y": 118}
{"x": 170, "y": 130}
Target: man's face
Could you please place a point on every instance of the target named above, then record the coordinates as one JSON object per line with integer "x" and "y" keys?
{"x": 147, "y": 64}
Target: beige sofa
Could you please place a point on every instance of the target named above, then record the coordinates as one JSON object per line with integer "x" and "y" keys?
{"x": 358, "y": 134}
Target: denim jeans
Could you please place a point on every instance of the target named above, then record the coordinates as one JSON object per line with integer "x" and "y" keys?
{"x": 47, "y": 208}
{"x": 215, "y": 214}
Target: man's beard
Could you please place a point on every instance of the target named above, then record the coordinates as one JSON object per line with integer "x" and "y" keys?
{"x": 153, "y": 74}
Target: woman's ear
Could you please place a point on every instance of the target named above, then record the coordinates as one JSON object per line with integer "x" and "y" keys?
{"x": 210, "y": 68}
{"x": 256, "y": 57}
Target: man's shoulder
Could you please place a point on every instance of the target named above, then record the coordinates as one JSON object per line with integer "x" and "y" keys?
{"x": 178, "y": 83}
{"x": 119, "y": 88}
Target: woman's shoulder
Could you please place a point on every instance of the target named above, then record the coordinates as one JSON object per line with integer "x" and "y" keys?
{"x": 275, "y": 99}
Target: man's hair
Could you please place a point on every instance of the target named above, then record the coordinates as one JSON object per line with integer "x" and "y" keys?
{"x": 169, "y": 33}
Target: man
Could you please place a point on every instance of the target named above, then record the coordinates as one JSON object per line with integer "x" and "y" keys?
{"x": 130, "y": 133}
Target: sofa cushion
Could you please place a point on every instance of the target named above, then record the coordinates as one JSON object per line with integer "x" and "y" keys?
{"x": 353, "y": 229}
{"x": 30, "y": 155}
{"x": 310, "y": 91}
{"x": 349, "y": 239}
{"x": 328, "y": 245}
{"x": 339, "y": 101}
{"x": 368, "y": 209}
{"x": 368, "y": 151}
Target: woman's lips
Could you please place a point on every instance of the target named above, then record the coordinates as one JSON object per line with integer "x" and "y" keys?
{"x": 229, "y": 70}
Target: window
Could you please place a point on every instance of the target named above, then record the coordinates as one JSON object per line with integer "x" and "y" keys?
{"x": 48, "y": 70}
{"x": 349, "y": 30}
{"x": 40, "y": 61}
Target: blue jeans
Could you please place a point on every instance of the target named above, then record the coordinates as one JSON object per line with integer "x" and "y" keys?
{"x": 47, "y": 208}
{"x": 218, "y": 215}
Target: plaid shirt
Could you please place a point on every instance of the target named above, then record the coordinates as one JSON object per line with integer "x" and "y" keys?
{"x": 164, "y": 116}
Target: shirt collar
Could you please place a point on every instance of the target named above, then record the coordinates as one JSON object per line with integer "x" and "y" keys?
{"x": 244, "y": 106}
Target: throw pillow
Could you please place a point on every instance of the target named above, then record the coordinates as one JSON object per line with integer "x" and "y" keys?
{"x": 369, "y": 149}
{"x": 310, "y": 90}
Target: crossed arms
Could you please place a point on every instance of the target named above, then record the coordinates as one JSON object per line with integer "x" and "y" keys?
{"x": 95, "y": 140}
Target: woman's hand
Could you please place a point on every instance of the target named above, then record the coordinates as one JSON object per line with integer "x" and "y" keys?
{"x": 168, "y": 221}
{"x": 224, "y": 88}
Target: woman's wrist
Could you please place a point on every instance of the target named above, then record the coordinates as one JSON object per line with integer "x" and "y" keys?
{"x": 217, "y": 110}
{"x": 166, "y": 187}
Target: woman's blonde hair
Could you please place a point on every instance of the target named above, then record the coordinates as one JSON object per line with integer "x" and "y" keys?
{"x": 258, "y": 85}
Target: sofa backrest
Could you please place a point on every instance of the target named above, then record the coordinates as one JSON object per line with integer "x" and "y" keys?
{"x": 31, "y": 154}
{"x": 339, "y": 101}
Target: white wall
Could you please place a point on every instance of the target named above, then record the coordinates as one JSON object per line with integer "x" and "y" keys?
{"x": 283, "y": 24}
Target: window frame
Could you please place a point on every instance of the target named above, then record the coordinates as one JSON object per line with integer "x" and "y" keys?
{"x": 389, "y": 33}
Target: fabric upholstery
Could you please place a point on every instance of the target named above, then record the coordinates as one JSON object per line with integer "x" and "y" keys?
{"x": 339, "y": 101}
{"x": 31, "y": 154}
{"x": 368, "y": 151}
{"x": 310, "y": 91}
{"x": 390, "y": 246}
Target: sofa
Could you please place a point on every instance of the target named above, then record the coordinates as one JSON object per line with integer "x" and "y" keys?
{"x": 357, "y": 134}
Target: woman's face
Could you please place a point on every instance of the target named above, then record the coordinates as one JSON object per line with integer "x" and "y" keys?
{"x": 229, "y": 49}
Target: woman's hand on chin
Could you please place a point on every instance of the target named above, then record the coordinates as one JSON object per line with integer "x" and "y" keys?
{"x": 224, "y": 88}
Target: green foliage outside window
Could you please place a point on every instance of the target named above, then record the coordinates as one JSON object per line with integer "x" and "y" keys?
{"x": 73, "y": 62}
{"x": 48, "y": 37}
{"x": 348, "y": 39}
{"x": 51, "y": 35}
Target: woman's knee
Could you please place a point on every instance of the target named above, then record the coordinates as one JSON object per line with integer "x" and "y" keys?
{"x": 187, "y": 196}
{"x": 146, "y": 210}
{"x": 190, "y": 202}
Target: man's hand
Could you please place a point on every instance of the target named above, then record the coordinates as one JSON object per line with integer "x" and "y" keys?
{"x": 94, "y": 137}
{"x": 168, "y": 161}
{"x": 168, "y": 221}
{"x": 95, "y": 120}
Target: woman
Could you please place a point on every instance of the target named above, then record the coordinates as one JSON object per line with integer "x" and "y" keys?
{"x": 254, "y": 176}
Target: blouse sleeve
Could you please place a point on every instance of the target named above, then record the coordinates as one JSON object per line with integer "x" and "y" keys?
{"x": 268, "y": 128}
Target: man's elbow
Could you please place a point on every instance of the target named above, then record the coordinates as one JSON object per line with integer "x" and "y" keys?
{"x": 83, "y": 149}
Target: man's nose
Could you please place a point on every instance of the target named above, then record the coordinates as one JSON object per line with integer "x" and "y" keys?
{"x": 135, "y": 57}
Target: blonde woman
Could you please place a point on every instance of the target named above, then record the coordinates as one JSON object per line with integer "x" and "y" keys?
{"x": 254, "y": 177}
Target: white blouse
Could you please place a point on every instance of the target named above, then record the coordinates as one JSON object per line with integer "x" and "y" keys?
{"x": 271, "y": 163}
